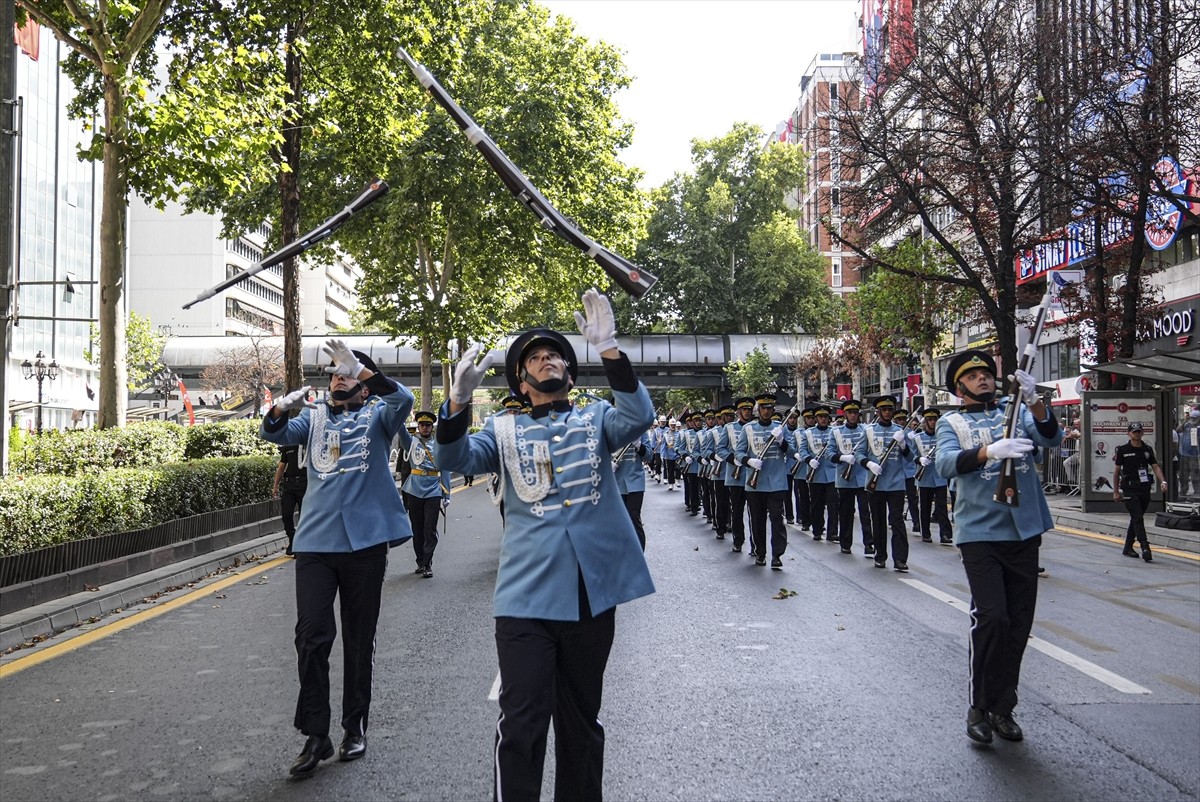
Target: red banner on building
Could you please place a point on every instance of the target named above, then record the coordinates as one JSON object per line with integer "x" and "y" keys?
{"x": 912, "y": 389}
{"x": 187, "y": 403}
{"x": 844, "y": 391}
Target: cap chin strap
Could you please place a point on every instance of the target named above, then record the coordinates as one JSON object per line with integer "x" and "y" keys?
{"x": 549, "y": 386}
{"x": 346, "y": 395}
{"x": 978, "y": 398}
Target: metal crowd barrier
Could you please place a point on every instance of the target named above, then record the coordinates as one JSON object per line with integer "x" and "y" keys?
{"x": 1060, "y": 469}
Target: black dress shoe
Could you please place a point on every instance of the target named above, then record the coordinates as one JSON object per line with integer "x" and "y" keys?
{"x": 880, "y": 565}
{"x": 979, "y": 729}
{"x": 1006, "y": 727}
{"x": 1130, "y": 553}
{"x": 737, "y": 549}
{"x": 353, "y": 747}
{"x": 420, "y": 569}
{"x": 869, "y": 550}
{"x": 760, "y": 561}
{"x": 901, "y": 566}
{"x": 1146, "y": 556}
{"x": 316, "y": 749}
{"x": 776, "y": 562}
{"x": 427, "y": 571}
{"x": 846, "y": 551}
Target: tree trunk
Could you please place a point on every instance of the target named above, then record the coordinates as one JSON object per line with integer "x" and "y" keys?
{"x": 289, "y": 218}
{"x": 426, "y": 373}
{"x": 113, "y": 370}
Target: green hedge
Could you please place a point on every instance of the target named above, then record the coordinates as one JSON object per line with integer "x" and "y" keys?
{"x": 38, "y": 511}
{"x": 147, "y": 444}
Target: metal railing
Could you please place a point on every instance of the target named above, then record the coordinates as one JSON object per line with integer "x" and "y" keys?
{"x": 1060, "y": 469}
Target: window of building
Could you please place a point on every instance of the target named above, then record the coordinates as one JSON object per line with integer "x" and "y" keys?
{"x": 835, "y": 267}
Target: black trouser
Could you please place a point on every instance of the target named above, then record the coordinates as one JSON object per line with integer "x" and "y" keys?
{"x": 846, "y": 499}
{"x": 887, "y": 509}
{"x": 656, "y": 463}
{"x": 789, "y": 510}
{"x": 691, "y": 492}
{"x": 762, "y": 506}
{"x": 423, "y": 513}
{"x": 824, "y": 509}
{"x": 706, "y": 496}
{"x": 357, "y": 577}
{"x": 633, "y": 505}
{"x": 551, "y": 670}
{"x": 910, "y": 495}
{"x": 291, "y": 499}
{"x": 672, "y": 468}
{"x": 737, "y": 514}
{"x": 803, "y": 502}
{"x": 1003, "y": 577}
{"x": 1136, "y": 503}
{"x": 933, "y": 508}
{"x": 722, "y": 506}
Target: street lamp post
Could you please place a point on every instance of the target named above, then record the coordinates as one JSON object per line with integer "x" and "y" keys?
{"x": 38, "y": 369}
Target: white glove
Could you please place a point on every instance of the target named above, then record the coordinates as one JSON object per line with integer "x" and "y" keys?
{"x": 738, "y": 462}
{"x": 777, "y": 433}
{"x": 294, "y": 400}
{"x": 468, "y": 375}
{"x": 687, "y": 460}
{"x": 814, "y": 463}
{"x": 445, "y": 502}
{"x": 925, "y": 461}
{"x": 599, "y": 327}
{"x": 847, "y": 458}
{"x": 345, "y": 363}
{"x": 1029, "y": 393}
{"x": 797, "y": 456}
{"x": 875, "y": 468}
{"x": 899, "y": 436}
{"x": 1009, "y": 447}
{"x": 755, "y": 463}
{"x": 704, "y": 460}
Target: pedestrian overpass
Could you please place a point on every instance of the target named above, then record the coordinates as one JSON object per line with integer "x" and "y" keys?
{"x": 662, "y": 361}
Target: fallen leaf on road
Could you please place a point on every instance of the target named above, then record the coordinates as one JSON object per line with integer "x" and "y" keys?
{"x": 784, "y": 593}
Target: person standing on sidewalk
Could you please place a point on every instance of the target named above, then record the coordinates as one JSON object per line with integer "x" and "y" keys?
{"x": 291, "y": 480}
{"x": 1131, "y": 478}
{"x": 352, "y": 510}
{"x": 997, "y": 542}
{"x": 426, "y": 490}
{"x": 569, "y": 553}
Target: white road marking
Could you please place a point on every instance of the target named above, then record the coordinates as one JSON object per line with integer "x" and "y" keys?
{"x": 1115, "y": 681}
{"x": 494, "y": 693}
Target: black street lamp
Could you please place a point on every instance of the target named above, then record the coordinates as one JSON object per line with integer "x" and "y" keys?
{"x": 164, "y": 384}
{"x": 38, "y": 369}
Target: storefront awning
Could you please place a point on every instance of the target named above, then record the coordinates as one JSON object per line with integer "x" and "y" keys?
{"x": 1163, "y": 369}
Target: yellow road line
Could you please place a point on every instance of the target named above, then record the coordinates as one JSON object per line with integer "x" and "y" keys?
{"x": 1120, "y": 541}
{"x": 91, "y": 636}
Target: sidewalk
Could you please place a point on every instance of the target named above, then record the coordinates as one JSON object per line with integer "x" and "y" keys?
{"x": 1068, "y": 514}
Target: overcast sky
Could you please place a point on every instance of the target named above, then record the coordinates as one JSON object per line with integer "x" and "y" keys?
{"x": 699, "y": 66}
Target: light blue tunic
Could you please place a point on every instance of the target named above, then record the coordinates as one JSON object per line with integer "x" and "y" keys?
{"x": 872, "y": 448}
{"x": 845, "y": 441}
{"x": 977, "y": 517}
{"x": 421, "y": 454}
{"x": 734, "y": 476}
{"x": 580, "y": 526}
{"x": 630, "y": 468}
{"x": 924, "y": 446}
{"x": 813, "y": 441}
{"x": 351, "y": 502}
{"x": 776, "y": 458}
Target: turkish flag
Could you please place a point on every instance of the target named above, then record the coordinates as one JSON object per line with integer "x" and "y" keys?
{"x": 912, "y": 387}
{"x": 843, "y": 392}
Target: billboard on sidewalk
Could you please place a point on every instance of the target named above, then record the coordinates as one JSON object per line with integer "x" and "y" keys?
{"x": 1106, "y": 418}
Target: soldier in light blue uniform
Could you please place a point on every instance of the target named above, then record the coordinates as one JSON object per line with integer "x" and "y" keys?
{"x": 722, "y": 448}
{"x": 569, "y": 554}
{"x": 426, "y": 489}
{"x": 818, "y": 451}
{"x": 887, "y": 466}
{"x": 671, "y": 444}
{"x": 931, "y": 485}
{"x": 998, "y": 542}
{"x": 351, "y": 511}
{"x": 736, "y": 472}
{"x": 690, "y": 449}
{"x": 851, "y": 477}
{"x": 630, "y": 471}
{"x": 765, "y": 448}
{"x": 910, "y": 468}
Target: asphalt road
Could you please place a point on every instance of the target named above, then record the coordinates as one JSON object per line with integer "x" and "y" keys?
{"x": 853, "y": 688}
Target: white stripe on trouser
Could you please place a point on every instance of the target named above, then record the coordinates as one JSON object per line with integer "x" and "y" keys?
{"x": 971, "y": 653}
{"x": 496, "y": 759}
